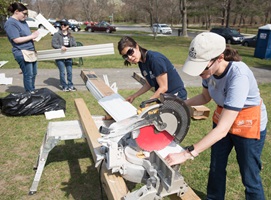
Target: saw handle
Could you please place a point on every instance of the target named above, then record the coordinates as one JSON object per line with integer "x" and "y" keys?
{"x": 143, "y": 103}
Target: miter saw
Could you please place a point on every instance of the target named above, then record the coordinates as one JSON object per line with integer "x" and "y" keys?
{"x": 135, "y": 147}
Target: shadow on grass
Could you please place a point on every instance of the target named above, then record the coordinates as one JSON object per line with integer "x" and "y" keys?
{"x": 53, "y": 82}
{"x": 83, "y": 185}
{"x": 15, "y": 89}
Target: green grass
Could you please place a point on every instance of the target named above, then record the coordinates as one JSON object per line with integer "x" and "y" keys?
{"x": 175, "y": 48}
{"x": 69, "y": 172}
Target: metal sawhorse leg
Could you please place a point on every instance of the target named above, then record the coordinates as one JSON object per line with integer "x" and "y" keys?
{"x": 56, "y": 131}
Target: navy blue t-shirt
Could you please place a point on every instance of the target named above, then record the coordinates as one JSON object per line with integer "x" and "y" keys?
{"x": 157, "y": 64}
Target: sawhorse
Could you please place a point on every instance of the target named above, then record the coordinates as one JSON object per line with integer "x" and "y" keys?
{"x": 56, "y": 131}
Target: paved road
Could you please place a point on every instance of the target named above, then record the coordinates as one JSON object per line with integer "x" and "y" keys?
{"x": 48, "y": 78}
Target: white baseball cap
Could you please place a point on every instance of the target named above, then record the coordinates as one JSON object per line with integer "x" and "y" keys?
{"x": 203, "y": 48}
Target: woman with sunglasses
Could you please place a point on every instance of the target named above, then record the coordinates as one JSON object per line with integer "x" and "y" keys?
{"x": 21, "y": 39}
{"x": 155, "y": 67}
{"x": 239, "y": 121}
{"x": 63, "y": 40}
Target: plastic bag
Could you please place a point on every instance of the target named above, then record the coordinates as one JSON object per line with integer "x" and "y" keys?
{"x": 31, "y": 103}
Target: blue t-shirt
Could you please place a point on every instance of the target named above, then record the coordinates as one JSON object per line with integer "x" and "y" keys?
{"x": 157, "y": 64}
{"x": 15, "y": 29}
{"x": 236, "y": 89}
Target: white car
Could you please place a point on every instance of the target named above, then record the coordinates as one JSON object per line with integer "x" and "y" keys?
{"x": 73, "y": 21}
{"x": 51, "y": 20}
{"x": 33, "y": 23}
{"x": 161, "y": 28}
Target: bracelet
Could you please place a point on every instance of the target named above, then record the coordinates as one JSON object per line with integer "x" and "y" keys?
{"x": 191, "y": 157}
{"x": 192, "y": 151}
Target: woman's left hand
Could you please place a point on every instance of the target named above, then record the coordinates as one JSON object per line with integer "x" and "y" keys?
{"x": 63, "y": 48}
{"x": 177, "y": 158}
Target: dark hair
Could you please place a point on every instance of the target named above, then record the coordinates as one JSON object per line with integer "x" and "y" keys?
{"x": 231, "y": 54}
{"x": 127, "y": 41}
{"x": 16, "y": 6}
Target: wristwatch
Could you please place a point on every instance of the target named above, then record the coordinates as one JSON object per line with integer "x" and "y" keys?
{"x": 192, "y": 150}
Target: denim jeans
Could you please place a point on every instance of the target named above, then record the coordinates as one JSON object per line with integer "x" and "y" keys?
{"x": 182, "y": 94}
{"x": 248, "y": 155}
{"x": 29, "y": 70}
{"x": 63, "y": 66}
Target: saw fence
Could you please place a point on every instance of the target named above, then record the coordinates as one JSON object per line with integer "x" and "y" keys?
{"x": 114, "y": 185}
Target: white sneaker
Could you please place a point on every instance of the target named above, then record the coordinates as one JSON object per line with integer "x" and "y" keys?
{"x": 72, "y": 89}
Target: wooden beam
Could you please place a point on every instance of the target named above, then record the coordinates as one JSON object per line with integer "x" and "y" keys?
{"x": 114, "y": 185}
{"x": 104, "y": 89}
{"x": 188, "y": 195}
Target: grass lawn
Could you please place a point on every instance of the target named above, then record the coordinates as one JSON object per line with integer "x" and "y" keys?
{"x": 69, "y": 172}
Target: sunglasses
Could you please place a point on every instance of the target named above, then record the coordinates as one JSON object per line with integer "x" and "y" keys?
{"x": 130, "y": 52}
{"x": 25, "y": 13}
{"x": 208, "y": 67}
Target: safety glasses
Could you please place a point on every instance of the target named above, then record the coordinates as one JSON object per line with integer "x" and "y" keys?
{"x": 130, "y": 52}
{"x": 208, "y": 67}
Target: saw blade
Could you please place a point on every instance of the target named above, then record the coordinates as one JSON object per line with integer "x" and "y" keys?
{"x": 150, "y": 140}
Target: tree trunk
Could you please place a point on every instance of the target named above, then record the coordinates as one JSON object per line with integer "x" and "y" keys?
{"x": 228, "y": 13}
{"x": 184, "y": 17}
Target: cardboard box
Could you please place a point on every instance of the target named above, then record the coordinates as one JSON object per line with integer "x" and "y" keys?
{"x": 200, "y": 112}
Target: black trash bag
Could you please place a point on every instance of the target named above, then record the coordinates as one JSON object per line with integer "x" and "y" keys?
{"x": 31, "y": 103}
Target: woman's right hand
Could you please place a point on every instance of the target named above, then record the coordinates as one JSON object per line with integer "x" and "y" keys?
{"x": 35, "y": 34}
{"x": 130, "y": 99}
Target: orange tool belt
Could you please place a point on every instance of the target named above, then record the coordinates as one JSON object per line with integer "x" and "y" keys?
{"x": 246, "y": 124}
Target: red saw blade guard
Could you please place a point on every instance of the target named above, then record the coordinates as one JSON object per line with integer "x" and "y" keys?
{"x": 149, "y": 140}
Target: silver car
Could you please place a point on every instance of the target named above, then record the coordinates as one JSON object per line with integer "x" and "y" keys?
{"x": 161, "y": 28}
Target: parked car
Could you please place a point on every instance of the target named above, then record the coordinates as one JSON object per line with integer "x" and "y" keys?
{"x": 161, "y": 28}
{"x": 89, "y": 22}
{"x": 250, "y": 42}
{"x": 232, "y": 36}
{"x": 51, "y": 20}
{"x": 73, "y": 21}
{"x": 72, "y": 27}
{"x": 101, "y": 26}
{"x": 33, "y": 23}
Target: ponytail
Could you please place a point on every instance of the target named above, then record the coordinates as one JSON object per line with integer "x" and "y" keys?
{"x": 231, "y": 54}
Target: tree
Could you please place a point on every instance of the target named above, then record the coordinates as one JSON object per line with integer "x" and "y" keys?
{"x": 183, "y": 11}
{"x": 3, "y": 6}
{"x": 4, "y": 12}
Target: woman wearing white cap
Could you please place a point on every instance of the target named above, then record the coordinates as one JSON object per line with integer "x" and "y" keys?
{"x": 239, "y": 120}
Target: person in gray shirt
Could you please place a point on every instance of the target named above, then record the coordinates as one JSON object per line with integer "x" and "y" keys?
{"x": 63, "y": 40}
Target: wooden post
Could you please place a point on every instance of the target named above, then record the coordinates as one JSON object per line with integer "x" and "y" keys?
{"x": 114, "y": 185}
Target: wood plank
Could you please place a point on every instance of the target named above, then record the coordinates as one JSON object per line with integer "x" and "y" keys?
{"x": 87, "y": 75}
{"x": 188, "y": 195}
{"x": 140, "y": 79}
{"x": 114, "y": 185}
